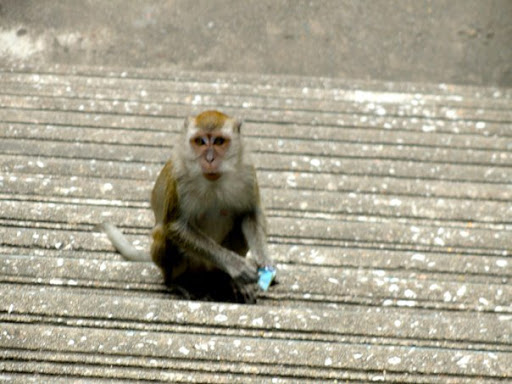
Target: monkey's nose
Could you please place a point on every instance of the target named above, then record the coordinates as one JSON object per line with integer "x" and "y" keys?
{"x": 210, "y": 155}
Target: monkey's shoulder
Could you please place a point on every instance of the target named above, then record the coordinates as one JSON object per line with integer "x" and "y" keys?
{"x": 164, "y": 197}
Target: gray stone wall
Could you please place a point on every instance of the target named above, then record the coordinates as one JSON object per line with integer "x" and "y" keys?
{"x": 452, "y": 41}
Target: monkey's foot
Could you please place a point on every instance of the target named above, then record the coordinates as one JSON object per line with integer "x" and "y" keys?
{"x": 245, "y": 294}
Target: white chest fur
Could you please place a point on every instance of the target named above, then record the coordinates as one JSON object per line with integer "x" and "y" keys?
{"x": 212, "y": 207}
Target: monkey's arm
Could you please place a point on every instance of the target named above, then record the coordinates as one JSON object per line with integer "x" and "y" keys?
{"x": 253, "y": 228}
{"x": 123, "y": 246}
{"x": 191, "y": 239}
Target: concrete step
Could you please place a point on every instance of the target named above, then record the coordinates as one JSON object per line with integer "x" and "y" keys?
{"x": 389, "y": 217}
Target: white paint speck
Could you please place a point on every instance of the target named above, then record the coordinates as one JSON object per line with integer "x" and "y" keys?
{"x": 395, "y": 202}
{"x": 220, "y": 318}
{"x": 328, "y": 362}
{"x": 315, "y": 162}
{"x": 257, "y": 322}
{"x": 461, "y": 291}
{"x": 290, "y": 180}
{"x": 197, "y": 100}
{"x": 201, "y": 347}
{"x": 194, "y": 306}
{"x": 150, "y": 316}
{"x": 463, "y": 362}
{"x": 418, "y": 257}
{"x": 452, "y": 114}
{"x": 439, "y": 241}
{"x": 381, "y": 111}
{"x": 107, "y": 187}
{"x": 406, "y": 303}
{"x": 394, "y": 360}
{"x": 184, "y": 351}
{"x": 501, "y": 263}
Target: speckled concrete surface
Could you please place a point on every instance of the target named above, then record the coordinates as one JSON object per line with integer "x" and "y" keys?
{"x": 389, "y": 216}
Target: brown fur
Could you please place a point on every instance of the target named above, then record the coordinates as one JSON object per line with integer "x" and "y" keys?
{"x": 210, "y": 120}
{"x": 206, "y": 225}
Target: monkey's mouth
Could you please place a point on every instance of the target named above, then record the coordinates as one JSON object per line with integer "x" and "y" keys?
{"x": 212, "y": 176}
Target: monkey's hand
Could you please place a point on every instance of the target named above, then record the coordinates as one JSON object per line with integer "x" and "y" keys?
{"x": 191, "y": 239}
{"x": 243, "y": 271}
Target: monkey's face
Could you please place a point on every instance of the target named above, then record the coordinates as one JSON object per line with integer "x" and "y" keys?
{"x": 210, "y": 150}
{"x": 212, "y": 145}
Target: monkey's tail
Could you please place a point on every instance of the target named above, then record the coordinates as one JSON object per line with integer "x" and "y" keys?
{"x": 123, "y": 246}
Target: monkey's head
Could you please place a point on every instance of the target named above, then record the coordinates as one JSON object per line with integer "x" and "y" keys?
{"x": 214, "y": 140}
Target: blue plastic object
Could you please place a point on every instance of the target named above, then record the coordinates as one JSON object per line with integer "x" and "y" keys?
{"x": 267, "y": 275}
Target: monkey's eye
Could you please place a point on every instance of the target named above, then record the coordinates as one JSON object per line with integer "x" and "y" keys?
{"x": 219, "y": 141}
{"x": 199, "y": 141}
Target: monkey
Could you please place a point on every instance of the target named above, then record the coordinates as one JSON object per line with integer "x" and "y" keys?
{"x": 207, "y": 209}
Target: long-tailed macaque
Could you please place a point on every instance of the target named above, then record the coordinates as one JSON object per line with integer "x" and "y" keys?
{"x": 207, "y": 209}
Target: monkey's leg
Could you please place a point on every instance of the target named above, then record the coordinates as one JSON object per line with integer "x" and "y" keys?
{"x": 167, "y": 257}
{"x": 215, "y": 285}
{"x": 193, "y": 241}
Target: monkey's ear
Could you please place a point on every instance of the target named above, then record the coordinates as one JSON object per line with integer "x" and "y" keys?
{"x": 237, "y": 125}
